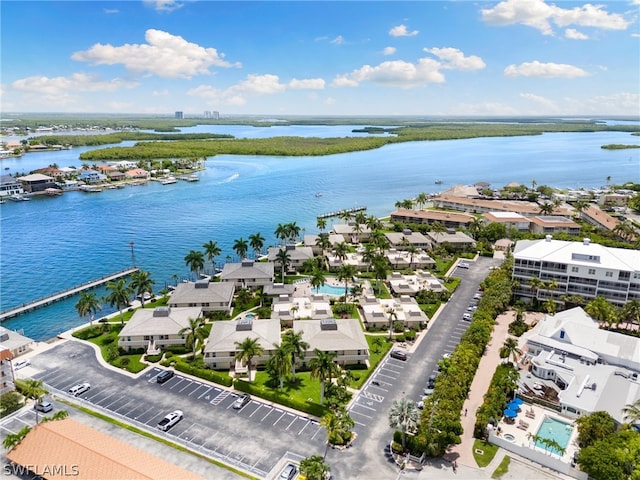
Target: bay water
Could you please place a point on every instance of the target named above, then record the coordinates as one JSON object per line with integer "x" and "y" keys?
{"x": 53, "y": 243}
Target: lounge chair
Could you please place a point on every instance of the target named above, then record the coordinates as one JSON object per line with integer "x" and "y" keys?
{"x": 530, "y": 415}
{"x": 521, "y": 427}
{"x": 523, "y": 423}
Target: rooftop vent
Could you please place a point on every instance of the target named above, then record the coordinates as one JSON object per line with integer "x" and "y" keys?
{"x": 451, "y": 231}
{"x": 204, "y": 283}
{"x": 328, "y": 324}
{"x": 244, "y": 325}
{"x": 161, "y": 312}
{"x": 586, "y": 241}
{"x": 247, "y": 263}
{"x": 407, "y": 231}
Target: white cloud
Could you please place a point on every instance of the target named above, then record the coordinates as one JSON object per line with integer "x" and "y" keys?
{"x": 164, "y": 55}
{"x": 546, "y": 70}
{"x": 573, "y": 34}
{"x": 339, "y": 40}
{"x": 329, "y": 101}
{"x": 163, "y": 5}
{"x": 388, "y": 50}
{"x": 452, "y": 58}
{"x": 635, "y": 35}
{"x": 396, "y": 73}
{"x": 307, "y": 84}
{"x": 538, "y": 14}
{"x": 77, "y": 82}
{"x": 160, "y": 93}
{"x": 549, "y": 105}
{"x": 401, "y": 31}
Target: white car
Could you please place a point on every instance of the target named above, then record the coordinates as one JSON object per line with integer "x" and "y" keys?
{"x": 467, "y": 317}
{"x": 170, "y": 420}
{"x": 79, "y": 389}
{"x": 463, "y": 265}
{"x": 21, "y": 364}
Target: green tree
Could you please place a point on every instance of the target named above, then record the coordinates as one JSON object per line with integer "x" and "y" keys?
{"x": 594, "y": 427}
{"x": 346, "y": 273}
{"x": 615, "y": 457}
{"x": 632, "y": 412}
{"x": 211, "y": 251}
{"x": 600, "y": 309}
{"x": 88, "y": 305}
{"x": 282, "y": 232}
{"x": 405, "y": 417}
{"x": 317, "y": 279}
{"x": 323, "y": 368}
{"x": 393, "y": 316}
{"x": 510, "y": 349}
{"x": 13, "y": 439}
{"x": 119, "y": 295}
{"x": 194, "y": 332}
{"x": 34, "y": 390}
{"x": 141, "y": 283}
{"x": 380, "y": 270}
{"x": 323, "y": 242}
{"x": 297, "y": 346}
{"x": 338, "y": 424}
{"x": 421, "y": 200}
{"x": 9, "y": 403}
{"x": 321, "y": 223}
{"x": 283, "y": 258}
{"x": 314, "y": 468}
{"x": 341, "y": 250}
{"x": 257, "y": 242}
{"x": 195, "y": 261}
{"x": 280, "y": 363}
{"x": 240, "y": 246}
{"x": 246, "y": 350}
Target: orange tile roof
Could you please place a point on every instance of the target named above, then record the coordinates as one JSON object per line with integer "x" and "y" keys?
{"x": 64, "y": 447}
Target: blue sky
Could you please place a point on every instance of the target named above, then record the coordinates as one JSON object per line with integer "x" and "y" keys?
{"x": 511, "y": 57}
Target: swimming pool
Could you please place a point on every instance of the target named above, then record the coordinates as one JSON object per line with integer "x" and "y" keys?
{"x": 330, "y": 290}
{"x": 554, "y": 430}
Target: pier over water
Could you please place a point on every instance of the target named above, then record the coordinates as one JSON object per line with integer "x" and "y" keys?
{"x": 41, "y": 302}
{"x": 338, "y": 213}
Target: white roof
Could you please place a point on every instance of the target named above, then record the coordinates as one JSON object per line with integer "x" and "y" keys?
{"x": 225, "y": 334}
{"x": 149, "y": 321}
{"x": 347, "y": 336}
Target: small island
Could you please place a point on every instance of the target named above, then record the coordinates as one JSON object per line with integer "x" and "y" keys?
{"x": 618, "y": 146}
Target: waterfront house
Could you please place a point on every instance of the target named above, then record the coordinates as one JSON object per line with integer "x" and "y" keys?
{"x": 287, "y": 308}
{"x": 210, "y": 296}
{"x": 402, "y": 240}
{"x": 550, "y": 224}
{"x": 116, "y": 176}
{"x": 429, "y": 217}
{"x": 510, "y": 220}
{"x": 352, "y": 232}
{"x": 479, "y": 205}
{"x": 15, "y": 342}
{"x": 36, "y": 182}
{"x": 9, "y": 185}
{"x": 157, "y": 328}
{"x": 91, "y": 176}
{"x": 124, "y": 165}
{"x": 137, "y": 174}
{"x": 51, "y": 171}
{"x": 297, "y": 255}
{"x": 248, "y": 274}
{"x": 221, "y": 348}
{"x": 403, "y": 309}
{"x": 456, "y": 240}
{"x": 312, "y": 241}
{"x": 342, "y": 336}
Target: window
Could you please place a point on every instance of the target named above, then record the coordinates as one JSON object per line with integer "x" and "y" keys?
{"x": 608, "y": 274}
{"x": 592, "y": 271}
{"x": 574, "y": 269}
{"x": 562, "y": 333}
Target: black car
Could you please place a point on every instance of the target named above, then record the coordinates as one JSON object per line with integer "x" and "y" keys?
{"x": 164, "y": 376}
{"x": 398, "y": 355}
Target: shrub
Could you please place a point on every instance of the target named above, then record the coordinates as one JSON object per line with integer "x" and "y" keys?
{"x": 124, "y": 361}
{"x": 107, "y": 340}
{"x": 410, "y": 335}
{"x": 153, "y": 358}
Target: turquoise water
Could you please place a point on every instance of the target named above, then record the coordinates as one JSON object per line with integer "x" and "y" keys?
{"x": 553, "y": 429}
{"x": 331, "y": 290}
{"x": 50, "y": 244}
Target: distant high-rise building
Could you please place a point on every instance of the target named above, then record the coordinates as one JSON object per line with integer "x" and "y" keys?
{"x": 216, "y": 115}
{"x": 207, "y": 114}
{"x": 179, "y": 115}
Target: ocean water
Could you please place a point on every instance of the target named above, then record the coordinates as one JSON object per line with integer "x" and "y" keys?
{"x": 50, "y": 244}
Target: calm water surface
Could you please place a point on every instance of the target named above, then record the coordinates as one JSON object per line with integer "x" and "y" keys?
{"x": 50, "y": 244}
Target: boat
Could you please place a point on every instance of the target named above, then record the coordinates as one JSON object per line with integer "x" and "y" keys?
{"x": 6, "y": 168}
{"x": 190, "y": 178}
{"x": 16, "y": 197}
{"x": 319, "y": 194}
{"x": 169, "y": 181}
{"x": 89, "y": 189}
{"x": 438, "y": 182}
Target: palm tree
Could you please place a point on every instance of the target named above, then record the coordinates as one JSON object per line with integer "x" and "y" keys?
{"x": 241, "y": 247}
{"x": 475, "y": 227}
{"x": 411, "y": 250}
{"x": 323, "y": 242}
{"x": 246, "y": 350}
{"x": 194, "y": 332}
{"x": 34, "y": 390}
{"x": 88, "y": 304}
{"x": 404, "y": 416}
{"x": 297, "y": 346}
{"x": 421, "y": 200}
{"x": 195, "y": 261}
{"x": 632, "y": 412}
{"x": 282, "y": 232}
{"x": 293, "y": 231}
{"x": 377, "y": 343}
{"x": 119, "y": 295}
{"x": 546, "y": 208}
{"x": 392, "y": 317}
{"x": 314, "y": 468}
{"x": 283, "y": 258}
{"x": 631, "y": 311}
{"x": 341, "y": 249}
{"x": 317, "y": 279}
{"x": 321, "y": 223}
{"x": 437, "y": 227}
{"x": 346, "y": 273}
{"x": 338, "y": 424}
{"x": 13, "y": 439}
{"x": 510, "y": 349}
{"x": 211, "y": 251}
{"x": 141, "y": 283}
{"x": 599, "y": 309}
{"x": 323, "y": 368}
{"x": 280, "y": 363}
{"x": 257, "y": 242}
{"x": 380, "y": 268}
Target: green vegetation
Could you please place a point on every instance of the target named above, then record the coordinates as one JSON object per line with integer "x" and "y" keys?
{"x": 488, "y": 452}
{"x": 9, "y": 403}
{"x": 502, "y": 468}
{"x": 106, "y": 338}
{"x": 618, "y": 146}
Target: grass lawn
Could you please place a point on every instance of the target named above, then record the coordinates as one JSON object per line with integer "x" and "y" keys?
{"x": 488, "y": 452}
{"x": 304, "y": 390}
{"x": 502, "y": 468}
{"x": 133, "y": 364}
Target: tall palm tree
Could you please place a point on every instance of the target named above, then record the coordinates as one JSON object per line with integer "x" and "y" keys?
{"x": 510, "y": 349}
{"x": 282, "y": 232}
{"x": 297, "y": 346}
{"x": 323, "y": 368}
{"x": 421, "y": 200}
{"x": 632, "y": 412}
{"x": 323, "y": 242}
{"x": 346, "y": 273}
{"x": 256, "y": 241}
{"x": 404, "y": 415}
{"x": 293, "y": 231}
{"x": 34, "y": 390}
{"x": 631, "y": 311}
{"x": 411, "y": 250}
{"x": 280, "y": 363}
{"x": 380, "y": 269}
{"x": 317, "y": 279}
{"x": 119, "y": 295}
{"x": 211, "y": 251}
{"x": 88, "y": 304}
{"x": 246, "y": 350}
{"x": 321, "y": 223}
{"x": 373, "y": 223}
{"x": 393, "y": 316}
{"x": 341, "y": 249}
{"x": 437, "y": 227}
{"x": 141, "y": 283}
{"x": 194, "y": 332}
{"x": 283, "y": 258}
{"x": 13, "y": 439}
{"x": 240, "y": 246}
{"x": 599, "y": 309}
{"x": 195, "y": 261}
{"x": 546, "y": 208}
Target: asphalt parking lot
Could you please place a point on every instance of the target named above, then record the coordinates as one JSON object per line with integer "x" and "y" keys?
{"x": 254, "y": 438}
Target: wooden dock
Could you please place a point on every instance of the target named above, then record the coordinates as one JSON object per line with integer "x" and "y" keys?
{"x": 41, "y": 302}
{"x": 337, "y": 213}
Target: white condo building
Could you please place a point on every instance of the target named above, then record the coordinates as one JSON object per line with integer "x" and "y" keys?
{"x": 578, "y": 268}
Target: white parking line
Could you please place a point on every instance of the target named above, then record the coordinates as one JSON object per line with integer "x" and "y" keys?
{"x": 198, "y": 388}
{"x": 365, "y": 406}
{"x": 305, "y": 426}
{"x": 179, "y": 382}
{"x": 252, "y": 413}
{"x": 110, "y": 395}
{"x": 187, "y": 386}
{"x": 205, "y": 392}
{"x": 266, "y": 415}
{"x": 136, "y": 417}
{"x": 118, "y": 409}
{"x": 292, "y": 422}
{"x": 283, "y": 414}
{"x": 391, "y": 377}
{"x": 362, "y": 414}
{"x": 187, "y": 430}
{"x": 107, "y": 407}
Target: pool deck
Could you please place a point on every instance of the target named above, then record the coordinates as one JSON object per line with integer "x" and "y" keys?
{"x": 529, "y": 424}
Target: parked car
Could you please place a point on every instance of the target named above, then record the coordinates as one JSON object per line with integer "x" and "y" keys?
{"x": 241, "y": 401}
{"x": 164, "y": 376}
{"x": 21, "y": 364}
{"x": 477, "y": 296}
{"x": 170, "y": 420}
{"x": 79, "y": 389}
{"x": 467, "y": 317}
{"x": 43, "y": 406}
{"x": 289, "y": 472}
{"x": 463, "y": 265}
{"x": 398, "y": 355}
